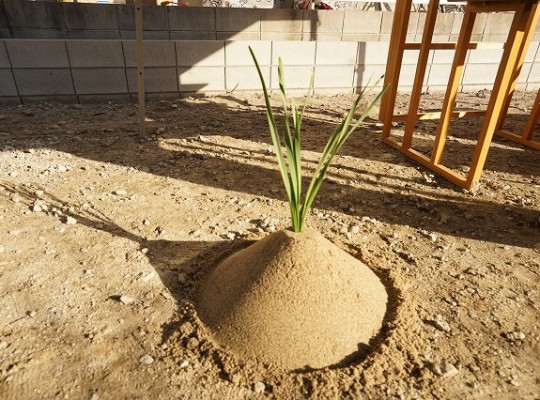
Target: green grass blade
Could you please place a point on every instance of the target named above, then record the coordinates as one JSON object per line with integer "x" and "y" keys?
{"x": 274, "y": 133}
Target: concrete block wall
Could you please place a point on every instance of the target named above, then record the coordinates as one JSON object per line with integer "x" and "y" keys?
{"x": 22, "y": 19}
{"x": 105, "y": 70}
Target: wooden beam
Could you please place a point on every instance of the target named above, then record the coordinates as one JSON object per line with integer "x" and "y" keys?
{"x": 140, "y": 63}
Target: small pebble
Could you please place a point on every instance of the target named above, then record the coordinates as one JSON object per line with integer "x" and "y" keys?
{"x": 148, "y": 276}
{"x": 183, "y": 364}
{"x": 126, "y": 300}
{"x": 120, "y": 192}
{"x": 146, "y": 359}
{"x": 70, "y": 221}
{"x": 259, "y": 387}
{"x": 32, "y": 314}
{"x": 445, "y": 370}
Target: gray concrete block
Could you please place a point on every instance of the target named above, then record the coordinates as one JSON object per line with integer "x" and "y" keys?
{"x": 444, "y": 24}
{"x": 367, "y": 74}
{"x": 443, "y": 57}
{"x": 324, "y": 22}
{"x": 157, "y": 53}
{"x": 406, "y": 78}
{"x": 95, "y": 53}
{"x": 192, "y": 19}
{"x": 147, "y": 35}
{"x": 480, "y": 74}
{"x": 362, "y": 22}
{"x": 238, "y": 36}
{"x": 238, "y": 20}
{"x": 43, "y": 81}
{"x": 201, "y": 79}
{"x": 480, "y": 23}
{"x": 334, "y": 76}
{"x": 245, "y": 78}
{"x": 156, "y": 35}
{"x": 330, "y": 53}
{"x": 283, "y": 21}
{"x": 37, "y": 53}
{"x": 276, "y": 36}
{"x": 359, "y": 37}
{"x": 93, "y": 35}
{"x": 154, "y": 18}
{"x": 456, "y": 24}
{"x": 200, "y": 53}
{"x": 537, "y": 54}
{"x": 485, "y": 56}
{"x": 90, "y": 16}
{"x": 532, "y": 52}
{"x": 386, "y": 23}
{"x": 296, "y": 77}
{"x": 30, "y": 14}
{"x": 534, "y": 74}
{"x": 237, "y": 53}
{"x": 373, "y": 53}
{"x": 438, "y": 75}
{"x": 4, "y": 59}
{"x": 293, "y": 53}
{"x": 7, "y": 84}
{"x": 525, "y": 73}
{"x": 39, "y": 33}
{"x": 498, "y": 23}
{"x": 494, "y": 38}
{"x": 199, "y": 35}
{"x": 156, "y": 80}
{"x": 445, "y": 38}
{"x": 323, "y": 37}
{"x": 62, "y": 99}
{"x": 99, "y": 81}
{"x": 412, "y": 28}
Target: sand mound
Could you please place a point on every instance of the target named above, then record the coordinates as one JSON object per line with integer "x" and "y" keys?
{"x": 294, "y": 300}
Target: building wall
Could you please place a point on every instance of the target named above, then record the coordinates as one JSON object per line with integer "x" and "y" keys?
{"x": 91, "y": 56}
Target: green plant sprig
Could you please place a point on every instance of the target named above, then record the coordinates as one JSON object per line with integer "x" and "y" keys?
{"x": 291, "y": 166}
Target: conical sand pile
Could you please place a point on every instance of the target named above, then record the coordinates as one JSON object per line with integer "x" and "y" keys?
{"x": 294, "y": 300}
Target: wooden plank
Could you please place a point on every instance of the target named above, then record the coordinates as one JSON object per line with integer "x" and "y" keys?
{"x": 437, "y": 115}
{"x": 393, "y": 65}
{"x": 519, "y": 139}
{"x": 416, "y": 92}
{"x": 445, "y": 172}
{"x": 533, "y": 119}
{"x": 529, "y": 33}
{"x": 452, "y": 46}
{"x": 509, "y": 64}
{"x": 453, "y": 84}
{"x": 140, "y": 64}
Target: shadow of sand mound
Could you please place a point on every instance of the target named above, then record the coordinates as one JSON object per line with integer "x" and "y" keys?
{"x": 294, "y": 300}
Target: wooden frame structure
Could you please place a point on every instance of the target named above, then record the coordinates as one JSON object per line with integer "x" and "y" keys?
{"x": 526, "y": 14}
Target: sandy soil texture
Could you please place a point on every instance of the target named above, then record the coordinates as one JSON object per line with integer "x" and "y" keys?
{"x": 105, "y": 236}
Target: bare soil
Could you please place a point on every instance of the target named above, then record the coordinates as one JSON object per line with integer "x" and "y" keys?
{"x": 106, "y": 235}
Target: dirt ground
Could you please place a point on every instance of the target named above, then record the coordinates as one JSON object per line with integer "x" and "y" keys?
{"x": 105, "y": 235}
